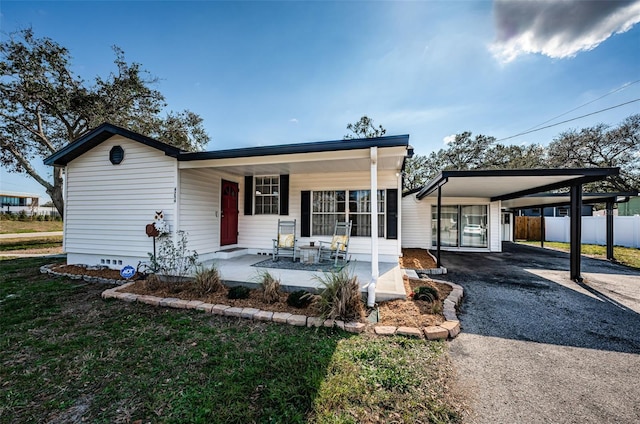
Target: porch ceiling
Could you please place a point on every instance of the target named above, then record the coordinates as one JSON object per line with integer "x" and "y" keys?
{"x": 305, "y": 163}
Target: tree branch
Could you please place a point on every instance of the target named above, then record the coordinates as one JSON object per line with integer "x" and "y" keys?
{"x": 24, "y": 162}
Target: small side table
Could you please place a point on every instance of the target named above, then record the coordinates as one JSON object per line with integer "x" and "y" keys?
{"x": 309, "y": 254}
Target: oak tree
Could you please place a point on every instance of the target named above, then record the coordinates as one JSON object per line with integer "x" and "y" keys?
{"x": 45, "y": 105}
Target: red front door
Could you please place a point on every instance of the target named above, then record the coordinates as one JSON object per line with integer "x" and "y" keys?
{"x": 229, "y": 217}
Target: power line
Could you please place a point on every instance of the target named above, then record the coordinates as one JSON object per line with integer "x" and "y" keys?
{"x": 568, "y": 120}
{"x": 624, "y": 86}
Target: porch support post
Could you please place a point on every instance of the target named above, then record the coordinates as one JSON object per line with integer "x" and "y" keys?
{"x": 576, "y": 232}
{"x": 609, "y": 214}
{"x": 371, "y": 291}
{"x": 438, "y": 233}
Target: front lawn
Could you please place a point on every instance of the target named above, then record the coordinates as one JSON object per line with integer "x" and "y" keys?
{"x": 67, "y": 355}
{"x": 30, "y": 243}
{"x": 16, "y": 227}
{"x": 625, "y": 255}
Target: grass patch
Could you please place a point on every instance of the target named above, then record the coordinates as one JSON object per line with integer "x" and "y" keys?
{"x": 17, "y": 227}
{"x": 386, "y": 380}
{"x": 625, "y": 255}
{"x": 69, "y": 356}
{"x": 30, "y": 243}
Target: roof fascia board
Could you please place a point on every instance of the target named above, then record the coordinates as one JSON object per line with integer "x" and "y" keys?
{"x": 292, "y": 158}
{"x": 432, "y": 185}
{"x": 300, "y": 148}
{"x": 531, "y": 172}
{"x": 100, "y": 134}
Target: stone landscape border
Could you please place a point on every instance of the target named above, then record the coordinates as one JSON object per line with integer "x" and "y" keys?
{"x": 450, "y": 328}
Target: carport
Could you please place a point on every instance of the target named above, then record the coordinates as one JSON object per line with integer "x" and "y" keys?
{"x": 516, "y": 188}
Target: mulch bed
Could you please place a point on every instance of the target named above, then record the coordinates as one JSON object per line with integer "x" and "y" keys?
{"x": 186, "y": 291}
{"x": 398, "y": 312}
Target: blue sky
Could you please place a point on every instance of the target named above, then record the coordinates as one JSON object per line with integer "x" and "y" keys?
{"x": 264, "y": 73}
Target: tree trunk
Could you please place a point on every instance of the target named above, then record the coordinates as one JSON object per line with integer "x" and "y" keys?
{"x": 55, "y": 191}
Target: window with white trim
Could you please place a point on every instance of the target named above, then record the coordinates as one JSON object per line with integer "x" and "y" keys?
{"x": 331, "y": 206}
{"x": 267, "y": 195}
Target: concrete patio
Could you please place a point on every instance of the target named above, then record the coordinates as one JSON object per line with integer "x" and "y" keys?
{"x": 239, "y": 269}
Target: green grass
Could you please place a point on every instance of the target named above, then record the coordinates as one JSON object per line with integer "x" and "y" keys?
{"x": 66, "y": 354}
{"x": 625, "y": 255}
{"x": 17, "y": 227}
{"x": 30, "y": 243}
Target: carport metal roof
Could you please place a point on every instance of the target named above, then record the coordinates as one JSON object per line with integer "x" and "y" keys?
{"x": 505, "y": 184}
{"x": 518, "y": 186}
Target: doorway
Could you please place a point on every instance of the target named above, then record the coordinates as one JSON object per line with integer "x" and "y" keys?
{"x": 229, "y": 215}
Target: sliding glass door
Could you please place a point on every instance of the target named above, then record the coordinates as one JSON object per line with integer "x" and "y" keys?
{"x": 461, "y": 226}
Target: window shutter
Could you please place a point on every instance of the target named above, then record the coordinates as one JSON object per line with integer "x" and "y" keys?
{"x": 284, "y": 195}
{"x": 248, "y": 195}
{"x": 392, "y": 214}
{"x": 305, "y": 214}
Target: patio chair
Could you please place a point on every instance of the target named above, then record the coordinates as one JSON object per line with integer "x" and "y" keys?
{"x": 338, "y": 247}
{"x": 285, "y": 243}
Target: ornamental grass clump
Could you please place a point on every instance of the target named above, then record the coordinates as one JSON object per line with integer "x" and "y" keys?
{"x": 207, "y": 280}
{"x": 340, "y": 296}
{"x": 270, "y": 287}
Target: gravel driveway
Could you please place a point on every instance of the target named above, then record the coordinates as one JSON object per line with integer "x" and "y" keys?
{"x": 538, "y": 348}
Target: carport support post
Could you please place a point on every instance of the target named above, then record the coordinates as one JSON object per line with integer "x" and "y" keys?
{"x": 438, "y": 212}
{"x": 542, "y": 229}
{"x": 576, "y": 232}
{"x": 610, "y": 230}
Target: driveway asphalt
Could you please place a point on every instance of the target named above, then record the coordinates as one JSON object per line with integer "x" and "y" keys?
{"x": 539, "y": 348}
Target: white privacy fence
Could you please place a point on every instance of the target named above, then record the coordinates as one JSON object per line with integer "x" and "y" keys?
{"x": 626, "y": 230}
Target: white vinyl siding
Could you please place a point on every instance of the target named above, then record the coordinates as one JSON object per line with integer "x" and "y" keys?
{"x": 199, "y": 209}
{"x": 108, "y": 206}
{"x": 416, "y": 219}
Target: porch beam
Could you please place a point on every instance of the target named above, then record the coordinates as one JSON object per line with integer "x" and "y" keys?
{"x": 576, "y": 233}
{"x": 371, "y": 291}
{"x": 438, "y": 235}
{"x": 609, "y": 214}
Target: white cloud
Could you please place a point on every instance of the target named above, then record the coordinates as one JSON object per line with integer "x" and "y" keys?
{"x": 558, "y": 29}
{"x": 293, "y": 120}
{"x": 449, "y": 139}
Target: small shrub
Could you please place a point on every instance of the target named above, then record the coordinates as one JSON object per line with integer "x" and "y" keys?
{"x": 426, "y": 293}
{"x": 340, "y": 298}
{"x": 270, "y": 287}
{"x": 153, "y": 282}
{"x": 22, "y": 216}
{"x": 207, "y": 280}
{"x": 299, "y": 299}
{"x": 238, "y": 292}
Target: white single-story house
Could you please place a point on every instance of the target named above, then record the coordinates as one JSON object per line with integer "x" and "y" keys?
{"x": 116, "y": 180}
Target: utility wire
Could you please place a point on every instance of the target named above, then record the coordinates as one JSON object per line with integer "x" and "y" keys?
{"x": 624, "y": 86}
{"x": 568, "y": 120}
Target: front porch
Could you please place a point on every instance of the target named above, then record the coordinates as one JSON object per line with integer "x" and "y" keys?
{"x": 239, "y": 269}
